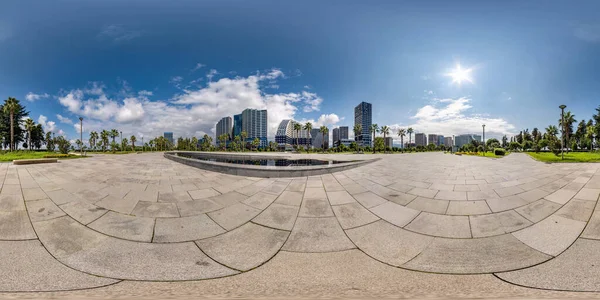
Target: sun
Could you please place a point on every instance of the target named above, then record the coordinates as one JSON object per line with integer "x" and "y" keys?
{"x": 459, "y": 75}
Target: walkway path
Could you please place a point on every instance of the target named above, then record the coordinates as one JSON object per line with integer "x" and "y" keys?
{"x": 97, "y": 221}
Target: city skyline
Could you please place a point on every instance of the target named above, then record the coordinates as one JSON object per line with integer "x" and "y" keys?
{"x": 444, "y": 72}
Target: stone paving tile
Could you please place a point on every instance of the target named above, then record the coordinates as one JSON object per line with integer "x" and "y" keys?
{"x": 246, "y": 247}
{"x": 290, "y": 198}
{"x": 397, "y": 197}
{"x": 315, "y": 193}
{"x": 482, "y": 195}
{"x": 497, "y": 223}
{"x": 41, "y": 210}
{"x": 592, "y": 230}
{"x": 317, "y": 235}
{"x": 509, "y": 191}
{"x": 551, "y": 235}
{"x": 423, "y": 192}
{"x": 184, "y": 187}
{"x": 174, "y": 196}
{"x": 155, "y": 210}
{"x": 11, "y": 202}
{"x": 353, "y": 215}
{"x": 113, "y": 203}
{"x": 340, "y": 197}
{"x": 170, "y": 230}
{"x": 464, "y": 256}
{"x": 315, "y": 208}
{"x": 147, "y": 196}
{"x": 441, "y": 225}
{"x": 27, "y": 266}
{"x": 588, "y": 194}
{"x": 574, "y": 270}
{"x": 388, "y": 243}
{"x": 34, "y": 194}
{"x": 506, "y": 203}
{"x": 91, "y": 252}
{"x": 576, "y": 209}
{"x": 538, "y": 210}
{"x": 278, "y": 216}
{"x": 82, "y": 211}
{"x": 276, "y": 188}
{"x": 89, "y": 195}
{"x": 260, "y": 200}
{"x": 11, "y": 189}
{"x": 369, "y": 200}
{"x": 15, "y": 225}
{"x": 124, "y": 226}
{"x": 233, "y": 216}
{"x": 594, "y": 182}
{"x": 197, "y": 207}
{"x": 466, "y": 188}
{"x": 451, "y": 195}
{"x": 465, "y": 208}
{"x": 228, "y": 199}
{"x": 561, "y": 196}
{"x": 395, "y": 213}
{"x": 429, "y": 205}
{"x": 296, "y": 186}
{"x": 442, "y": 187}
{"x": 533, "y": 195}
{"x": 355, "y": 189}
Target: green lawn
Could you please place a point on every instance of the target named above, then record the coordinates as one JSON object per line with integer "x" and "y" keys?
{"x": 569, "y": 157}
{"x": 10, "y": 156}
{"x": 482, "y": 154}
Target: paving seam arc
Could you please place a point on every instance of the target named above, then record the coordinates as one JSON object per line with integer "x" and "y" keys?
{"x": 51, "y": 255}
{"x": 553, "y": 257}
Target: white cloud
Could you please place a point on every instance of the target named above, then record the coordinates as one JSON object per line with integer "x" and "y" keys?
{"x": 452, "y": 118}
{"x": 64, "y": 119}
{"x": 198, "y": 66}
{"x": 588, "y": 32}
{"x": 61, "y": 132}
{"x": 176, "y": 79}
{"x": 145, "y": 93}
{"x": 49, "y": 126}
{"x": 307, "y": 87}
{"x": 194, "y": 111}
{"x": 33, "y": 97}
{"x": 117, "y": 33}
{"x": 211, "y": 74}
{"x": 328, "y": 119}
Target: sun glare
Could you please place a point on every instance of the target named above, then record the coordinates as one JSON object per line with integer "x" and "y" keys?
{"x": 459, "y": 75}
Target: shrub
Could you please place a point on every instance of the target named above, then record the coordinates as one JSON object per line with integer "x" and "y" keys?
{"x": 499, "y": 152}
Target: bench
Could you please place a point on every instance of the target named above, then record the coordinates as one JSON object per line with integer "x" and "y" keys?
{"x": 34, "y": 161}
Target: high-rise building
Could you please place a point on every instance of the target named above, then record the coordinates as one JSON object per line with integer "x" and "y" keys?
{"x": 169, "y": 137}
{"x": 343, "y": 132}
{"x": 420, "y": 139}
{"x": 363, "y": 116}
{"x": 389, "y": 142}
{"x": 440, "y": 140}
{"x": 336, "y": 135}
{"x": 317, "y": 138}
{"x": 448, "y": 141}
{"x": 286, "y": 137}
{"x": 254, "y": 123}
{"x": 340, "y": 133}
{"x": 432, "y": 139}
{"x": 237, "y": 125}
{"x": 224, "y": 126}
{"x": 463, "y": 139}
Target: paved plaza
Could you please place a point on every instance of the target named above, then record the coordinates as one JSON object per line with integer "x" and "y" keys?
{"x": 123, "y": 222}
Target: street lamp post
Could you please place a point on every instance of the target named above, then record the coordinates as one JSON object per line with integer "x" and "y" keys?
{"x": 483, "y": 140}
{"x": 562, "y": 135}
{"x": 122, "y": 141}
{"x": 81, "y": 134}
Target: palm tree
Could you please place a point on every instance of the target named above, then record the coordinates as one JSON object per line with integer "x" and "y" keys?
{"x": 385, "y": 130}
{"x": 374, "y": 129}
{"x": 308, "y": 127}
{"x": 29, "y": 126}
{"x": 10, "y": 106}
{"x": 244, "y": 135}
{"x": 357, "y": 132}
{"x": 114, "y": 133}
{"x": 297, "y": 128}
{"x": 133, "y": 140}
{"x": 151, "y": 143}
{"x": 93, "y": 139}
{"x": 567, "y": 126}
{"x": 195, "y": 143}
{"x": 49, "y": 141}
{"x": 402, "y": 134}
{"x": 410, "y": 132}
{"x": 323, "y": 130}
{"x": 104, "y": 135}
{"x": 552, "y": 130}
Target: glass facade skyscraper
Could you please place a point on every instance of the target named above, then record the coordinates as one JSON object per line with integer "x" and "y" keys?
{"x": 237, "y": 125}
{"x": 254, "y": 123}
{"x": 363, "y": 115}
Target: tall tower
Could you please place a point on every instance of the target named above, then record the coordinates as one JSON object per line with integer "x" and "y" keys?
{"x": 363, "y": 115}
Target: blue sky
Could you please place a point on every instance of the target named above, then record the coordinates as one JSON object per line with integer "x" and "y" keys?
{"x": 149, "y": 66}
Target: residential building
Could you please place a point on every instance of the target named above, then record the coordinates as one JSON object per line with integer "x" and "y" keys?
{"x": 224, "y": 126}
{"x": 463, "y": 139}
{"x": 237, "y": 125}
{"x": 432, "y": 139}
{"x": 363, "y": 116}
{"x": 169, "y": 137}
{"x": 343, "y": 132}
{"x": 340, "y": 133}
{"x": 440, "y": 140}
{"x": 254, "y": 123}
{"x": 286, "y": 137}
{"x": 389, "y": 142}
{"x": 420, "y": 139}
{"x": 448, "y": 141}
{"x": 317, "y": 138}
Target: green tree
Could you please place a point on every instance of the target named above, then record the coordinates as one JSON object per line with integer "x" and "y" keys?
{"x": 29, "y": 126}
{"x": 114, "y": 134}
{"x": 357, "y": 132}
{"x": 195, "y": 143}
{"x": 324, "y": 131}
{"x": 37, "y": 137}
{"x": 93, "y": 139}
{"x": 13, "y": 115}
{"x": 124, "y": 143}
{"x": 374, "y": 129}
{"x": 63, "y": 144}
{"x": 504, "y": 141}
{"x": 569, "y": 119}
{"x": 133, "y": 140}
{"x": 244, "y": 135}
{"x": 255, "y": 143}
{"x": 385, "y": 130}
{"x": 297, "y": 127}
{"x": 402, "y": 134}
{"x": 410, "y": 132}
{"x": 49, "y": 142}
{"x": 104, "y": 135}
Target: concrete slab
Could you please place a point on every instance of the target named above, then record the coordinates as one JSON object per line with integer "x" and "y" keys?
{"x": 15, "y": 226}
{"x": 441, "y": 225}
{"x": 317, "y": 235}
{"x": 395, "y": 213}
{"x": 174, "y": 230}
{"x": 353, "y": 215}
{"x": 234, "y": 216}
{"x": 552, "y": 235}
{"x": 150, "y": 209}
{"x": 124, "y": 226}
{"x": 278, "y": 216}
